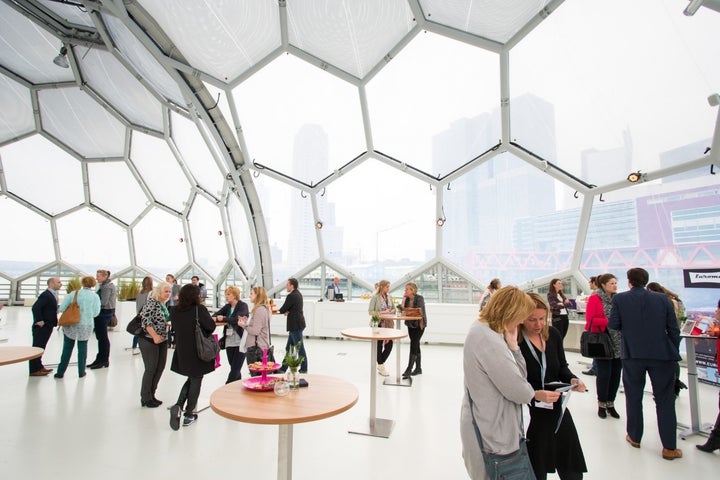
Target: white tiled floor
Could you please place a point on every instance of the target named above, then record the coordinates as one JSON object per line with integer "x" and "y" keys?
{"x": 95, "y": 428}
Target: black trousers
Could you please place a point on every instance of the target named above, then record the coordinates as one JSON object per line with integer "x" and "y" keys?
{"x": 101, "y": 334}
{"x": 41, "y": 336}
{"x": 607, "y": 380}
{"x": 415, "y": 335}
{"x": 562, "y": 323}
{"x": 189, "y": 394}
{"x": 383, "y": 353}
{"x": 235, "y": 359}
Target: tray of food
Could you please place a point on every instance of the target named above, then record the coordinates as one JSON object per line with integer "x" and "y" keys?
{"x": 258, "y": 367}
{"x": 260, "y": 384}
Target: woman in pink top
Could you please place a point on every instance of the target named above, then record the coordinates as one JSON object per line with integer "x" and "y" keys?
{"x": 597, "y": 312}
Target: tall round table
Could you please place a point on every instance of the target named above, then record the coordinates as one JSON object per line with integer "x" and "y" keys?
{"x": 398, "y": 381}
{"x": 324, "y": 397}
{"x": 10, "y": 355}
{"x": 375, "y": 427}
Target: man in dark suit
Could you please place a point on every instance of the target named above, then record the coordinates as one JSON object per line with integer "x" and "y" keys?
{"x": 650, "y": 342}
{"x": 293, "y": 310}
{"x": 44, "y": 312}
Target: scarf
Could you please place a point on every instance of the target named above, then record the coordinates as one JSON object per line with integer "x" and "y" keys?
{"x": 615, "y": 335}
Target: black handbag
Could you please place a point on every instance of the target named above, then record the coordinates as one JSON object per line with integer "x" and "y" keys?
{"x": 134, "y": 327}
{"x": 254, "y": 353}
{"x": 207, "y": 347}
{"x": 596, "y": 345}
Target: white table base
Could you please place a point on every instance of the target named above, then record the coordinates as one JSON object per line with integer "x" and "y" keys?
{"x": 374, "y": 427}
{"x": 285, "y": 447}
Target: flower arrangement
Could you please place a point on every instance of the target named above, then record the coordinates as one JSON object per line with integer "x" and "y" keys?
{"x": 375, "y": 320}
{"x": 293, "y": 359}
{"x": 399, "y": 307}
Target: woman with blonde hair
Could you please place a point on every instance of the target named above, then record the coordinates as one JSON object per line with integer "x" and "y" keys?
{"x": 231, "y": 313}
{"x": 494, "y": 378}
{"x": 89, "y": 303}
{"x": 257, "y": 327}
{"x": 381, "y": 303}
{"x": 154, "y": 317}
{"x": 551, "y": 446}
{"x": 416, "y": 328}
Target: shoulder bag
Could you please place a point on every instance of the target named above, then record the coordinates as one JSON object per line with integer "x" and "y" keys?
{"x": 413, "y": 312}
{"x": 596, "y": 344}
{"x": 254, "y": 353}
{"x": 134, "y": 327}
{"x": 207, "y": 347}
{"x": 515, "y": 465}
{"x": 71, "y": 315}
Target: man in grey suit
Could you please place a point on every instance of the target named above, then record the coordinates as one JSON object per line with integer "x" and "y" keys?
{"x": 650, "y": 341}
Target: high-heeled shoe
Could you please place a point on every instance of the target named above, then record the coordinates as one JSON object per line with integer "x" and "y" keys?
{"x": 95, "y": 366}
{"x": 613, "y": 413}
{"x": 712, "y": 444}
{"x": 602, "y": 412}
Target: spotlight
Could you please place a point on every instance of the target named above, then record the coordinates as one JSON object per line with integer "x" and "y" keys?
{"x": 634, "y": 177}
{"x": 440, "y": 221}
{"x": 692, "y": 7}
{"x": 714, "y": 99}
{"x": 61, "y": 59}
{"x": 318, "y": 225}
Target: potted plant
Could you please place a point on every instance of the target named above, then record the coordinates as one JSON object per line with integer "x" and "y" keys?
{"x": 128, "y": 290}
{"x": 375, "y": 322}
{"x": 293, "y": 360}
{"x": 399, "y": 308}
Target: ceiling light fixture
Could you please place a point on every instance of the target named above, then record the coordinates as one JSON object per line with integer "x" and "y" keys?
{"x": 634, "y": 177}
{"x": 440, "y": 222}
{"x": 692, "y": 7}
{"x": 318, "y": 225}
{"x": 61, "y": 59}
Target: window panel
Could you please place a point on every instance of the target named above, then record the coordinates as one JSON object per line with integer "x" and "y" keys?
{"x": 158, "y": 245}
{"x": 103, "y": 245}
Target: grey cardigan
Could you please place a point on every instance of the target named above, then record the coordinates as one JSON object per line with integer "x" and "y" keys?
{"x": 495, "y": 376}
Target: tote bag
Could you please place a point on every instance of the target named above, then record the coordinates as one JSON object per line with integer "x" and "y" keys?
{"x": 71, "y": 315}
{"x": 596, "y": 344}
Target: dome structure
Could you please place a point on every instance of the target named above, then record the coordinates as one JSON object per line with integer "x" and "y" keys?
{"x": 445, "y": 143}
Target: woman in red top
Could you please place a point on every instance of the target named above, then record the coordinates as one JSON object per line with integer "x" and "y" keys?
{"x": 713, "y": 442}
{"x": 597, "y": 312}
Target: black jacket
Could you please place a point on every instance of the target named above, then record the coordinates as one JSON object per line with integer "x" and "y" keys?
{"x": 294, "y": 306}
{"x": 45, "y": 309}
{"x": 185, "y": 360}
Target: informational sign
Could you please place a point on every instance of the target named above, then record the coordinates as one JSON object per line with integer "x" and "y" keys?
{"x": 702, "y": 277}
{"x": 705, "y": 348}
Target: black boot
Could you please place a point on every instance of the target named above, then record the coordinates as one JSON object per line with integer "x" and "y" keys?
{"x": 408, "y": 370}
{"x": 713, "y": 442}
{"x": 418, "y": 367}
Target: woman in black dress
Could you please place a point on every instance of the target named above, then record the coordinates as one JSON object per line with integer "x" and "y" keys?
{"x": 184, "y": 316}
{"x": 541, "y": 346}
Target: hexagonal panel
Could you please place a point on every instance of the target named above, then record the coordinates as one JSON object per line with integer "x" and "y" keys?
{"x": 58, "y": 188}
{"x": 158, "y": 245}
{"x": 240, "y": 228}
{"x": 77, "y": 120}
{"x": 29, "y": 49}
{"x": 90, "y": 241}
{"x": 160, "y": 170}
{"x": 15, "y": 104}
{"x": 657, "y": 102}
{"x": 196, "y": 155}
{"x": 290, "y": 225}
{"x": 229, "y": 38}
{"x": 429, "y": 87}
{"x": 208, "y": 238}
{"x": 396, "y": 233}
{"x": 114, "y": 189}
{"x": 345, "y": 35}
{"x": 111, "y": 80}
{"x": 503, "y": 221}
{"x": 26, "y": 248}
{"x": 319, "y": 133}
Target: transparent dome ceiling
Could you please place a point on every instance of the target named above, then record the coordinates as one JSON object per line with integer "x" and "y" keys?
{"x": 441, "y": 142}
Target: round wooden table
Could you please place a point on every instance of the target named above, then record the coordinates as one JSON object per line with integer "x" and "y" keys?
{"x": 324, "y": 397}
{"x": 10, "y": 355}
{"x": 376, "y": 427}
{"x": 398, "y": 381}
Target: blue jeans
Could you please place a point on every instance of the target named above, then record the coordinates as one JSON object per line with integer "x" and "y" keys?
{"x": 295, "y": 337}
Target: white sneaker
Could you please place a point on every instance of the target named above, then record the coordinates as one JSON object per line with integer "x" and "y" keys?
{"x": 136, "y": 351}
{"x": 381, "y": 370}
